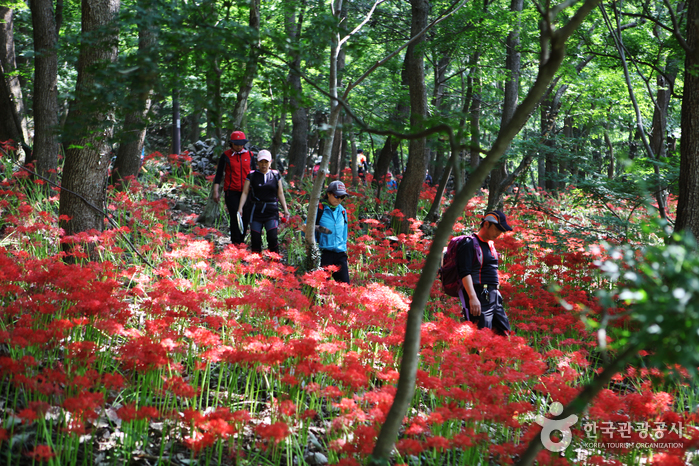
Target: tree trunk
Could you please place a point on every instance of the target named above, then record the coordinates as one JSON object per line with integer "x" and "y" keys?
{"x": 410, "y": 186}
{"x": 513, "y": 65}
{"x": 440, "y": 103}
{"x": 336, "y": 154}
{"x": 213, "y": 111}
{"x": 552, "y": 57}
{"x": 687, "y": 211}
{"x": 212, "y": 209}
{"x": 13, "y": 123}
{"x": 46, "y": 143}
{"x": 383, "y": 162}
{"x": 241, "y": 103}
{"x": 128, "y": 158}
{"x": 312, "y": 251}
{"x": 86, "y": 164}
{"x": 298, "y": 148}
{"x": 610, "y": 149}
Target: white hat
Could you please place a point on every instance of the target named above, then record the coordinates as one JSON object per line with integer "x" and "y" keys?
{"x": 264, "y": 155}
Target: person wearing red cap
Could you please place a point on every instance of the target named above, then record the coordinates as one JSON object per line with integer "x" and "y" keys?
{"x": 233, "y": 168}
{"x": 478, "y": 270}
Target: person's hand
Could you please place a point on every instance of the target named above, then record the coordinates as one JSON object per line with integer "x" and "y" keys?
{"x": 217, "y": 196}
{"x": 323, "y": 230}
{"x": 240, "y": 212}
{"x": 474, "y": 306}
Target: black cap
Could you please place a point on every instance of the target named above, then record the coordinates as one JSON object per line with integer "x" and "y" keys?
{"x": 499, "y": 219}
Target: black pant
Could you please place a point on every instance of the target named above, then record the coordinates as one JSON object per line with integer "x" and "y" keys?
{"x": 336, "y": 258}
{"x": 271, "y": 227}
{"x": 493, "y": 314}
{"x": 232, "y": 201}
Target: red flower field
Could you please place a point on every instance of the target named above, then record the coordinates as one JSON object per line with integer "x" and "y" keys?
{"x": 226, "y": 357}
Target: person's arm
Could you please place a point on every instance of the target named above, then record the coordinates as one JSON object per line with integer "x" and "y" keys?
{"x": 244, "y": 196}
{"x": 282, "y": 199}
{"x": 474, "y": 304}
{"x": 219, "y": 175}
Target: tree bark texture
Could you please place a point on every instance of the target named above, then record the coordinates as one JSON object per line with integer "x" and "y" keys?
{"x": 513, "y": 65}
{"x": 383, "y": 162}
{"x": 46, "y": 145}
{"x": 128, "y": 158}
{"x": 241, "y": 103}
{"x": 13, "y": 124}
{"x": 86, "y": 164}
{"x": 474, "y": 112}
{"x": 298, "y": 148}
{"x": 410, "y": 186}
{"x": 688, "y": 203}
{"x": 441, "y": 104}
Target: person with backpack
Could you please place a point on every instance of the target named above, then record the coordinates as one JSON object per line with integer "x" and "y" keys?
{"x": 264, "y": 188}
{"x": 331, "y": 230}
{"x": 477, "y": 266}
{"x": 233, "y": 168}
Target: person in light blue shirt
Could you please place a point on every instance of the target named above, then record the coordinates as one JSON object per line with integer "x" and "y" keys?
{"x": 331, "y": 230}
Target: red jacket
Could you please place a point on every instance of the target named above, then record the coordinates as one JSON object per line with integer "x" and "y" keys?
{"x": 236, "y": 166}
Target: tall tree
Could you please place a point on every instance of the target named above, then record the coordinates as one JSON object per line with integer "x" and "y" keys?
{"x": 45, "y": 97}
{"x": 553, "y": 41}
{"x": 298, "y": 148}
{"x": 212, "y": 208}
{"x": 13, "y": 123}
{"x": 410, "y": 186}
{"x": 513, "y": 63}
{"x": 687, "y": 211}
{"x": 241, "y": 103}
{"x": 86, "y": 163}
{"x": 144, "y": 76}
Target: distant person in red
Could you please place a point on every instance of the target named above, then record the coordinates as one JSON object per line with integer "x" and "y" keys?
{"x": 362, "y": 165}
{"x": 233, "y": 168}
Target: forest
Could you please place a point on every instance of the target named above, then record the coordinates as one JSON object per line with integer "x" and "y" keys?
{"x": 133, "y": 332}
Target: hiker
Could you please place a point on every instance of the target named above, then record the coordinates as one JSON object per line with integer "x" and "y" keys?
{"x": 331, "y": 230}
{"x": 233, "y": 168}
{"x": 481, "y": 300}
{"x": 392, "y": 184}
{"x": 362, "y": 166}
{"x": 264, "y": 187}
{"x": 428, "y": 178}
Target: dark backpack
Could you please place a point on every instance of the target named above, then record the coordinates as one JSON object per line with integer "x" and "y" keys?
{"x": 449, "y": 271}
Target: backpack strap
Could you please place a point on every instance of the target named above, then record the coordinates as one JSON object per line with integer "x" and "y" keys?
{"x": 479, "y": 251}
{"x": 319, "y": 213}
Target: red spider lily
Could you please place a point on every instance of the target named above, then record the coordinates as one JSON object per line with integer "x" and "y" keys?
{"x": 129, "y": 412}
{"x": 142, "y": 354}
{"x": 178, "y": 387}
{"x": 41, "y": 453}
{"x": 273, "y": 432}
